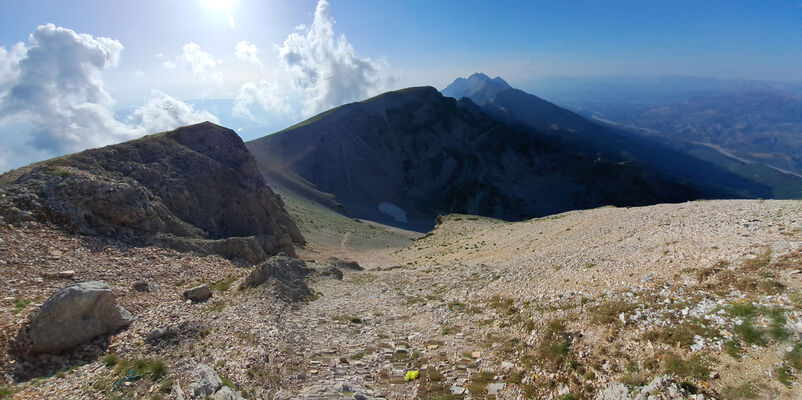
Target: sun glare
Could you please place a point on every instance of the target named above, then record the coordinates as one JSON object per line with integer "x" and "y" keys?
{"x": 219, "y": 5}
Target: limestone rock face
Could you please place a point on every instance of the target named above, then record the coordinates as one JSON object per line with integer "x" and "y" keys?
{"x": 75, "y": 315}
{"x": 196, "y": 188}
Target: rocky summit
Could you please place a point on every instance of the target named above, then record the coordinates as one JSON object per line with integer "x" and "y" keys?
{"x": 196, "y": 188}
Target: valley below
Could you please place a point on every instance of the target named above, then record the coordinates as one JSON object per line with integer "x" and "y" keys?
{"x": 583, "y": 304}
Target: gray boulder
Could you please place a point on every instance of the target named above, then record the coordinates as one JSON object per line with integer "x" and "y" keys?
{"x": 76, "y": 314}
{"x": 344, "y": 264}
{"x": 615, "y": 391}
{"x": 226, "y": 393}
{"x": 198, "y": 293}
{"x": 206, "y": 382}
{"x": 286, "y": 274}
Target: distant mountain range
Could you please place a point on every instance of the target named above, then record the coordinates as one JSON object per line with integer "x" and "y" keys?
{"x": 713, "y": 143}
{"x": 757, "y": 123}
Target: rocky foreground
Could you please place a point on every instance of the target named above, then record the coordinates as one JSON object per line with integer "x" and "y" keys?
{"x": 696, "y": 300}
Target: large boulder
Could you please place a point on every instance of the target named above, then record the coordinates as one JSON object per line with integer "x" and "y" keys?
{"x": 75, "y": 315}
{"x": 196, "y": 188}
{"x": 206, "y": 382}
{"x": 198, "y": 293}
{"x": 287, "y": 274}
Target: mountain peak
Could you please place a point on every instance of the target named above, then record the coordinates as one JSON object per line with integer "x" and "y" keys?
{"x": 478, "y": 87}
{"x": 479, "y": 76}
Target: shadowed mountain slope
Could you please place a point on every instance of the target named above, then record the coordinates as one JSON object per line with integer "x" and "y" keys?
{"x": 572, "y": 131}
{"x": 404, "y": 157}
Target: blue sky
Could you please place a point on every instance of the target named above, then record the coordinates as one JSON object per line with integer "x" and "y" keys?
{"x": 274, "y": 63}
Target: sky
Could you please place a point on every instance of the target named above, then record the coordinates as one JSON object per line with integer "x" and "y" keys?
{"x": 81, "y": 74}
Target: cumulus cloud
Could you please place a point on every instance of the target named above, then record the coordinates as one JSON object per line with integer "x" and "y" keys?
{"x": 266, "y": 94}
{"x": 162, "y": 113}
{"x": 9, "y": 66}
{"x": 59, "y": 90}
{"x": 56, "y": 99}
{"x": 248, "y": 52}
{"x": 327, "y": 67}
{"x": 201, "y": 63}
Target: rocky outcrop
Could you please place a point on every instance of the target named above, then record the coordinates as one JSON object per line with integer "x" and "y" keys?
{"x": 75, "y": 315}
{"x": 208, "y": 385}
{"x": 196, "y": 188}
{"x": 286, "y": 273}
{"x": 345, "y": 264}
{"x": 206, "y": 381}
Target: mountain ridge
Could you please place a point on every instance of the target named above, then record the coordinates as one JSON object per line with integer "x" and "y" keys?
{"x": 422, "y": 153}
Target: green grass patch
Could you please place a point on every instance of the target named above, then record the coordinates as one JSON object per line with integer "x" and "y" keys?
{"x": 794, "y": 357}
{"x": 747, "y": 390}
{"x": 223, "y": 284}
{"x": 110, "y": 360}
{"x": 682, "y": 334}
{"x": 609, "y": 312}
{"x": 6, "y": 391}
{"x": 147, "y": 368}
{"x": 733, "y": 348}
{"x": 19, "y": 305}
{"x": 783, "y": 375}
{"x": 696, "y": 366}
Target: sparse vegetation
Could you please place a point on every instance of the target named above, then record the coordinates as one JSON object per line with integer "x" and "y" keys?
{"x": 19, "y": 305}
{"x": 609, "y": 311}
{"x": 696, "y": 366}
{"x": 222, "y": 285}
{"x": 747, "y": 390}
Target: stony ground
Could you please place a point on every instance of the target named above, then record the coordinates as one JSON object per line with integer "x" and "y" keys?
{"x": 559, "y": 307}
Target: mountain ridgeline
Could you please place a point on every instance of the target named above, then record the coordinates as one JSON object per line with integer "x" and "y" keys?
{"x": 572, "y": 132}
{"x": 404, "y": 157}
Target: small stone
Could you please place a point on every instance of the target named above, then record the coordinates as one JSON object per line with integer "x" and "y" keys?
{"x": 144, "y": 286}
{"x": 66, "y": 274}
{"x": 476, "y": 354}
{"x": 495, "y": 388}
{"x": 226, "y": 393}
{"x": 457, "y": 390}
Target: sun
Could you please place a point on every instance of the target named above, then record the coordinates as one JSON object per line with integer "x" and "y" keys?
{"x": 220, "y": 5}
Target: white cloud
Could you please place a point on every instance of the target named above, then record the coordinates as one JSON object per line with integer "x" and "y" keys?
{"x": 248, "y": 52}
{"x": 139, "y": 74}
{"x": 266, "y": 94}
{"x": 162, "y": 113}
{"x": 327, "y": 68}
{"x": 57, "y": 102}
{"x": 201, "y": 63}
{"x": 59, "y": 90}
{"x": 9, "y": 66}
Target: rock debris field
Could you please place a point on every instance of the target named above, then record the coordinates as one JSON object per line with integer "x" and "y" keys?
{"x": 699, "y": 300}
